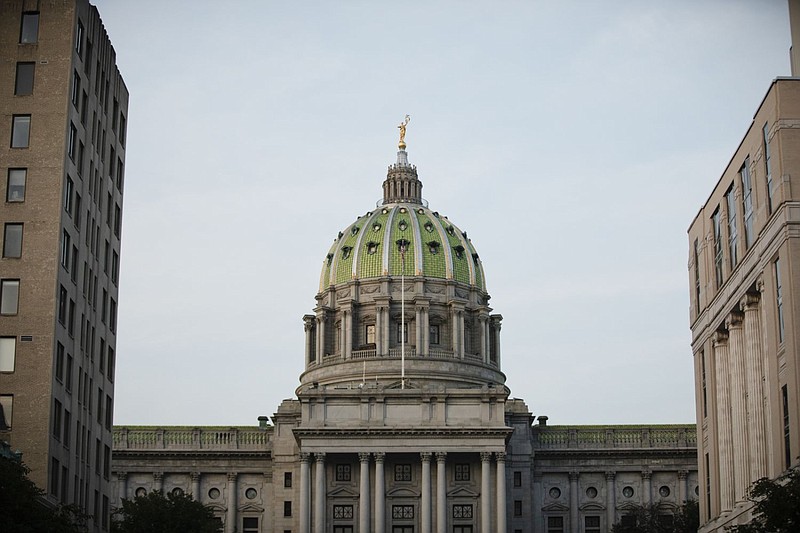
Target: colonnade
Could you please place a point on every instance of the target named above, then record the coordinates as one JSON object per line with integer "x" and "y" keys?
{"x": 372, "y": 500}
{"x": 740, "y": 398}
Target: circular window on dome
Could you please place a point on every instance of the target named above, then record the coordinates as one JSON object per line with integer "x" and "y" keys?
{"x": 591, "y": 492}
{"x": 354, "y": 230}
{"x": 450, "y": 230}
{"x": 330, "y": 259}
{"x": 421, "y": 211}
{"x": 459, "y": 251}
{"x": 140, "y": 492}
{"x": 433, "y": 247}
{"x": 664, "y": 491}
{"x": 251, "y": 493}
{"x": 376, "y": 227}
{"x": 627, "y": 492}
{"x": 346, "y": 251}
{"x": 555, "y": 493}
{"x": 177, "y": 491}
{"x": 402, "y": 225}
{"x": 384, "y": 211}
{"x": 429, "y": 227}
{"x": 372, "y": 247}
{"x": 213, "y": 493}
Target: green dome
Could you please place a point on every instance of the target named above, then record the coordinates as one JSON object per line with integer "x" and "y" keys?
{"x": 370, "y": 248}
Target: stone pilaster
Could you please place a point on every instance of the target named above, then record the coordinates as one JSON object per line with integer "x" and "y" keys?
{"x": 683, "y": 485}
{"x": 230, "y": 516}
{"x": 502, "y": 511}
{"x": 741, "y": 468}
{"x": 305, "y": 492}
{"x": 363, "y": 501}
{"x": 773, "y": 464}
{"x": 425, "y": 504}
{"x": 441, "y": 493}
{"x": 195, "y": 477}
{"x": 724, "y": 422}
{"x": 754, "y": 371}
{"x": 574, "y": 522}
{"x": 158, "y": 481}
{"x": 647, "y": 487}
{"x": 611, "y": 499}
{"x": 319, "y": 493}
{"x": 122, "y": 486}
{"x": 486, "y": 500}
{"x": 380, "y": 497}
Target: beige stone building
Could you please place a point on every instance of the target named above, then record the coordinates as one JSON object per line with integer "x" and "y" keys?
{"x": 63, "y": 115}
{"x": 402, "y": 422}
{"x": 744, "y": 266}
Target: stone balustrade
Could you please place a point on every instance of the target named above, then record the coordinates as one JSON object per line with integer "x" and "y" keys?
{"x": 566, "y": 437}
{"x": 189, "y": 438}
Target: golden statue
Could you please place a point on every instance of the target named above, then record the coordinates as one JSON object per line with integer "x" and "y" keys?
{"x": 402, "y": 128}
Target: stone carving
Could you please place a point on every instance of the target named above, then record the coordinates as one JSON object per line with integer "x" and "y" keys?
{"x": 434, "y": 289}
{"x": 370, "y": 289}
{"x": 344, "y": 294}
{"x": 461, "y": 293}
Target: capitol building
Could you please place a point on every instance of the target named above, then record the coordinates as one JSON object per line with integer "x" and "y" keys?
{"x": 403, "y": 422}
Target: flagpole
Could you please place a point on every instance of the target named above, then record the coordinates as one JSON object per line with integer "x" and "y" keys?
{"x": 403, "y": 316}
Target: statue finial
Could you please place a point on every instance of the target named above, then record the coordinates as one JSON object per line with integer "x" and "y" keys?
{"x": 402, "y": 127}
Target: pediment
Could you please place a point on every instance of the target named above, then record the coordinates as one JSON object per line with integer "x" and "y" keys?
{"x": 399, "y": 385}
{"x": 217, "y": 507}
{"x": 251, "y": 508}
{"x": 558, "y": 507}
{"x": 592, "y": 506}
{"x": 402, "y": 492}
{"x": 343, "y": 492}
{"x": 628, "y": 506}
{"x": 462, "y": 492}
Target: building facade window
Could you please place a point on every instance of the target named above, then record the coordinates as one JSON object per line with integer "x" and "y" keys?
{"x": 717, "y": 226}
{"x": 402, "y": 472}
{"x": 29, "y": 30}
{"x": 433, "y": 335}
{"x": 463, "y": 511}
{"x": 343, "y": 472}
{"x": 20, "y": 131}
{"x": 79, "y": 39}
{"x": 8, "y": 353}
{"x": 76, "y": 89}
{"x": 287, "y": 508}
{"x": 23, "y": 86}
{"x": 462, "y": 472}
{"x": 697, "y": 277}
{"x": 72, "y": 141}
{"x": 747, "y": 203}
{"x": 57, "y": 413}
{"x": 517, "y": 507}
{"x": 555, "y": 524}
{"x": 733, "y": 236}
{"x": 517, "y": 479}
{"x": 9, "y": 296}
{"x": 15, "y": 186}
{"x": 59, "y": 370}
{"x": 369, "y": 333}
{"x": 342, "y": 512}
{"x": 287, "y": 476}
{"x": 787, "y": 444}
{"x": 403, "y": 512}
{"x": 12, "y": 240}
{"x": 6, "y": 411}
{"x": 767, "y": 169}
{"x": 402, "y": 332}
{"x": 591, "y": 524}
{"x": 779, "y": 300}
{"x": 250, "y": 524}
{"x": 703, "y": 382}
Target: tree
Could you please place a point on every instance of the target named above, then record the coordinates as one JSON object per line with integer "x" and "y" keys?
{"x": 655, "y": 519}
{"x": 776, "y": 505}
{"x": 22, "y": 507}
{"x": 156, "y": 513}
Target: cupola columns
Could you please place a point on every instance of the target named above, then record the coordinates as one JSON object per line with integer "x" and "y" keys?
{"x": 402, "y": 184}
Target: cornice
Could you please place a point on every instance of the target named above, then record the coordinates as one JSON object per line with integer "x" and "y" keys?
{"x": 401, "y": 432}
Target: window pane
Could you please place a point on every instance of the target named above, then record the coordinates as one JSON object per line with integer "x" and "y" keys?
{"x": 24, "y": 83}
{"x": 6, "y": 408}
{"x": 15, "y": 191}
{"x": 20, "y": 131}
{"x": 12, "y": 240}
{"x": 29, "y": 33}
{"x": 8, "y": 352}
{"x": 9, "y": 296}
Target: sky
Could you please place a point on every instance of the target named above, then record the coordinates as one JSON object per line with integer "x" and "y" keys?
{"x": 573, "y": 140}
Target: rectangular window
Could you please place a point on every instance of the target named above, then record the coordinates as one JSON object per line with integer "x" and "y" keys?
{"x": 76, "y": 89}
{"x": 66, "y": 246}
{"x": 24, "y": 82}
{"x": 462, "y": 472}
{"x": 462, "y": 511}
{"x": 29, "y": 30}
{"x": 12, "y": 240}
{"x": 15, "y": 189}
{"x": 79, "y": 39}
{"x": 104, "y": 521}
{"x": 122, "y": 129}
{"x": 517, "y": 479}
{"x": 62, "y": 305}
{"x": 67, "y": 427}
{"x": 20, "y": 131}
{"x": 434, "y": 334}
{"x": 287, "y": 477}
{"x": 74, "y": 265}
{"x": 767, "y": 169}
{"x": 732, "y": 233}
{"x": 8, "y": 353}
{"x": 717, "y": 225}
{"x": 84, "y": 107}
{"x": 403, "y": 512}
{"x": 370, "y": 334}
{"x": 779, "y": 300}
{"x": 114, "y": 267}
{"x": 71, "y": 141}
{"x": 747, "y": 203}
{"x": 696, "y": 277}
{"x": 69, "y": 187}
{"x": 6, "y": 411}
{"x": 708, "y": 485}
{"x": 703, "y": 382}
{"x": 9, "y": 296}
{"x": 402, "y": 329}
{"x": 71, "y": 318}
{"x": 250, "y": 524}
{"x": 110, "y": 375}
{"x": 342, "y": 512}
{"x": 402, "y": 472}
{"x": 57, "y": 412}
{"x": 68, "y": 374}
{"x": 555, "y": 524}
{"x": 109, "y": 412}
{"x": 118, "y": 227}
{"x": 120, "y": 172}
{"x": 106, "y": 462}
{"x": 591, "y": 524}
{"x": 55, "y": 470}
{"x": 343, "y": 472}
{"x": 59, "y": 361}
{"x": 787, "y": 445}
{"x": 287, "y": 508}
{"x": 517, "y": 507}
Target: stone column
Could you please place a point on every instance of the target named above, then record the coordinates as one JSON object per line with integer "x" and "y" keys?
{"x": 320, "y": 337}
{"x": 455, "y": 334}
{"x": 741, "y": 469}
{"x": 461, "y": 344}
{"x": 343, "y": 345}
{"x": 486, "y": 501}
{"x": 195, "y": 486}
{"x": 501, "y": 492}
{"x": 305, "y": 492}
{"x": 611, "y": 500}
{"x": 230, "y": 517}
{"x": 418, "y": 330}
{"x": 380, "y": 497}
{"x": 772, "y": 463}
{"x": 441, "y": 493}
{"x": 378, "y": 330}
{"x": 754, "y": 370}
{"x": 724, "y": 432}
{"x": 426, "y": 492}
{"x": 158, "y": 481}
{"x": 496, "y": 324}
{"x": 574, "y": 525}
{"x": 647, "y": 487}
{"x": 385, "y": 335}
{"x": 536, "y": 507}
{"x": 122, "y": 486}
{"x": 363, "y": 500}
{"x": 319, "y": 493}
{"x": 308, "y": 327}
{"x": 683, "y": 476}
{"x": 483, "y": 352}
{"x": 426, "y": 332}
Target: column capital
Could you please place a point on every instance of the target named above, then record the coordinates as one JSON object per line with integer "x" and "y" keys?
{"x": 319, "y": 457}
{"x": 426, "y": 456}
{"x": 380, "y": 457}
{"x": 486, "y": 457}
{"x": 720, "y": 338}
{"x": 232, "y": 476}
{"x": 363, "y": 457}
{"x": 610, "y": 475}
{"x": 441, "y": 457}
{"x": 749, "y": 302}
{"x": 500, "y": 456}
{"x": 734, "y": 320}
{"x": 574, "y": 475}
{"x": 305, "y": 457}
{"x": 646, "y": 474}
{"x": 760, "y": 285}
{"x": 122, "y": 476}
{"x": 195, "y": 476}
{"x": 158, "y": 476}
{"x": 683, "y": 474}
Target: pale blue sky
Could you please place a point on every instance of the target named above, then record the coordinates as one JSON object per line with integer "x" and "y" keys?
{"x": 574, "y": 141}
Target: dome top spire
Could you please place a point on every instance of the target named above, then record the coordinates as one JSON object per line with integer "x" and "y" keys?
{"x": 402, "y": 184}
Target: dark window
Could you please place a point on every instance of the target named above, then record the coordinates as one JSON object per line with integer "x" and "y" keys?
{"x": 591, "y": 524}
{"x": 68, "y": 189}
{"x": 462, "y": 472}
{"x": 68, "y": 374}
{"x": 110, "y": 372}
{"x": 79, "y": 39}
{"x": 24, "y": 83}
{"x": 696, "y": 277}
{"x": 402, "y": 472}
{"x": 55, "y": 469}
{"x": 62, "y": 305}
{"x": 71, "y": 141}
{"x": 9, "y": 296}
{"x": 747, "y": 203}
{"x": 57, "y": 413}
{"x": 12, "y": 240}
{"x": 342, "y": 512}
{"x": 628, "y": 520}
{"x": 517, "y": 507}
{"x": 287, "y": 508}
{"x": 787, "y": 445}
{"x": 767, "y": 168}
{"x": 287, "y": 476}
{"x": 403, "y": 512}
{"x": 517, "y": 479}
{"x": 66, "y": 246}
{"x": 67, "y": 428}
{"x": 434, "y": 334}
{"x": 703, "y": 381}
{"x": 109, "y": 412}
{"x": 716, "y": 223}
{"x": 15, "y": 190}
{"x": 20, "y": 131}
{"x": 733, "y": 236}
{"x": 462, "y": 511}
{"x": 250, "y": 524}
{"x": 76, "y": 89}
{"x": 117, "y": 220}
{"x": 779, "y": 300}
{"x": 343, "y": 473}
{"x": 59, "y": 361}
{"x": 29, "y": 31}
{"x": 555, "y": 524}
{"x": 708, "y": 485}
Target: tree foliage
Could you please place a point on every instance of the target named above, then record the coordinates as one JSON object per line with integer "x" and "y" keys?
{"x": 655, "y": 519}
{"x": 776, "y": 505}
{"x": 156, "y": 513}
{"x": 22, "y": 507}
